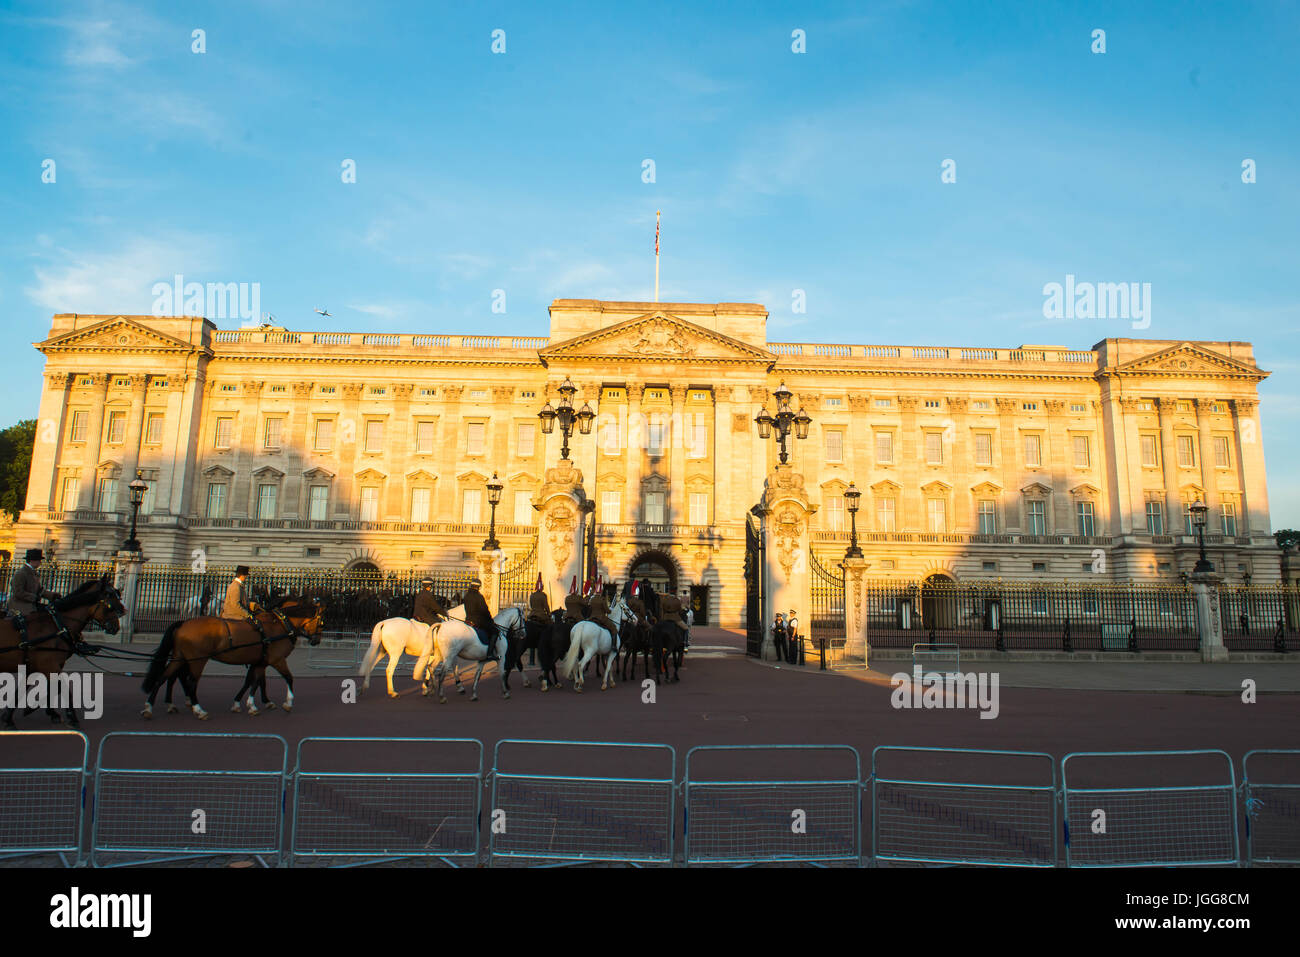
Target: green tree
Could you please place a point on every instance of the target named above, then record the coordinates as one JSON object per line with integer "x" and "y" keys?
{"x": 16, "y": 444}
{"x": 1286, "y": 538}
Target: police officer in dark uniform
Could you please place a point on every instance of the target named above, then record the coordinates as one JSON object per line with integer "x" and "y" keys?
{"x": 428, "y": 610}
{"x": 779, "y": 636}
{"x": 479, "y": 617}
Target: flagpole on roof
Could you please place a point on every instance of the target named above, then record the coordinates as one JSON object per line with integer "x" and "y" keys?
{"x": 656, "y": 255}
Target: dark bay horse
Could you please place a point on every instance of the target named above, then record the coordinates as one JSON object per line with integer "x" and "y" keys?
{"x": 54, "y": 635}
{"x": 187, "y": 646}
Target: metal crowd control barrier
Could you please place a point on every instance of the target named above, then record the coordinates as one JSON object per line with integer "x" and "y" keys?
{"x": 1153, "y": 825}
{"x": 428, "y": 809}
{"x": 944, "y": 659}
{"x": 42, "y": 799}
{"x": 141, "y": 812}
{"x": 338, "y": 651}
{"x": 733, "y": 815}
{"x": 624, "y": 814}
{"x": 957, "y": 815}
{"x": 1272, "y": 806}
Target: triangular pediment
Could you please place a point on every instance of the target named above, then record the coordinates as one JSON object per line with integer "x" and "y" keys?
{"x": 318, "y": 473}
{"x": 421, "y": 475}
{"x": 217, "y": 471}
{"x": 986, "y": 488}
{"x": 936, "y": 487}
{"x": 119, "y": 334}
{"x": 1036, "y": 488}
{"x": 524, "y": 478}
{"x": 657, "y": 336}
{"x": 268, "y": 471}
{"x": 472, "y": 476}
{"x": 886, "y": 487}
{"x": 1085, "y": 491}
{"x": 1189, "y": 360}
{"x": 371, "y": 475}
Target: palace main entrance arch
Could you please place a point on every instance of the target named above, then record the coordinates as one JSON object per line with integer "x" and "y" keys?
{"x": 658, "y": 567}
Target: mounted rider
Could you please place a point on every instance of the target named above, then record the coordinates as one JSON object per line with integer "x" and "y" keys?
{"x": 670, "y": 607}
{"x": 237, "y": 606}
{"x": 25, "y": 590}
{"x": 479, "y": 617}
{"x": 600, "y": 615}
{"x": 428, "y": 610}
{"x": 539, "y": 608}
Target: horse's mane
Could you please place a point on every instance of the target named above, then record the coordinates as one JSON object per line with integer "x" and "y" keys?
{"x": 84, "y": 594}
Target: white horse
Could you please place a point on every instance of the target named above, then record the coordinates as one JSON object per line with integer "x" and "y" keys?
{"x": 391, "y": 637}
{"x": 591, "y": 639}
{"x": 454, "y": 639}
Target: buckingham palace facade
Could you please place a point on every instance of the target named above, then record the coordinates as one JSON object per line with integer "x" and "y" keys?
{"x": 336, "y": 449}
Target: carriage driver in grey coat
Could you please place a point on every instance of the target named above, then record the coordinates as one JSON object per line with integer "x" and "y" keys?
{"x": 237, "y": 606}
{"x": 25, "y": 591}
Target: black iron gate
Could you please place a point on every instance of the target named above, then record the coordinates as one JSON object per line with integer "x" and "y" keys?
{"x": 754, "y": 612}
{"x": 826, "y": 621}
{"x": 520, "y": 579}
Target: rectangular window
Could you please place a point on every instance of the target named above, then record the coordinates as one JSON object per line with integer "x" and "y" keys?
{"x": 1082, "y": 458}
{"x": 654, "y": 508}
{"x": 835, "y": 514}
{"x": 318, "y": 503}
{"x": 475, "y": 435}
{"x": 981, "y": 405}
{"x": 884, "y": 403}
{"x": 934, "y": 448}
{"x": 1078, "y": 407}
{"x": 1083, "y": 512}
{"x": 525, "y": 514}
{"x": 478, "y": 395}
{"x": 107, "y": 495}
{"x": 369, "y": 503}
{"x": 420, "y": 505}
{"x": 375, "y": 435}
{"x": 932, "y": 403}
{"x": 1155, "y": 518}
{"x": 424, "y": 438}
{"x": 1037, "y": 518}
{"x": 527, "y": 439}
{"x": 77, "y": 433}
{"x": 1033, "y": 450}
{"x": 71, "y": 489}
{"x": 885, "y": 515}
{"x": 323, "y": 440}
{"x": 153, "y": 429}
{"x": 1186, "y": 452}
{"x": 225, "y": 429}
{"x": 1029, "y": 406}
{"x": 655, "y": 438}
{"x": 990, "y": 566}
{"x": 983, "y": 448}
{"x": 1188, "y": 527}
{"x": 611, "y": 508}
{"x": 938, "y": 511}
{"x": 216, "y": 501}
{"x": 1229, "y": 518}
{"x": 271, "y": 437}
{"x": 266, "y": 496}
{"x": 834, "y": 445}
{"x": 472, "y": 507}
{"x": 1150, "y": 452}
{"x": 1222, "y": 458}
{"x": 116, "y": 427}
{"x": 609, "y": 437}
{"x": 699, "y": 441}
{"x": 988, "y": 517}
{"x": 699, "y": 508}
{"x": 146, "y": 501}
{"x": 885, "y": 448}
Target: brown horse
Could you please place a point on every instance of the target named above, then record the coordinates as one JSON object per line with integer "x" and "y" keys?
{"x": 54, "y": 635}
{"x": 187, "y": 646}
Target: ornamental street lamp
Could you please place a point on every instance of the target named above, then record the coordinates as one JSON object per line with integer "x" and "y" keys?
{"x": 852, "y": 495}
{"x": 784, "y": 418}
{"x": 138, "y": 487}
{"x": 494, "y": 499}
{"x": 1198, "y": 510}
{"x": 566, "y": 416}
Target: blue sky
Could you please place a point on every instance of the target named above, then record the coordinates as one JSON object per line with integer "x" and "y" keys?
{"x": 775, "y": 171}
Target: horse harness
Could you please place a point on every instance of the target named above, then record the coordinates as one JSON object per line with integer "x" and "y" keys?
{"x": 291, "y": 631}
{"x": 25, "y": 644}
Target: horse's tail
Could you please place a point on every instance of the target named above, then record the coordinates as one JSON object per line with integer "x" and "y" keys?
{"x": 571, "y": 658}
{"x": 160, "y": 658}
{"x": 372, "y": 653}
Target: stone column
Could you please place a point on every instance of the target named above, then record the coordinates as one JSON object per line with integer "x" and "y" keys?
{"x": 960, "y": 458}
{"x": 1205, "y": 439}
{"x": 560, "y": 527}
{"x": 398, "y": 446}
{"x": 1132, "y": 507}
{"x": 1169, "y": 465}
{"x": 1209, "y": 622}
{"x": 786, "y": 510}
{"x": 911, "y": 505}
{"x": 349, "y": 441}
{"x": 134, "y": 428}
{"x": 1011, "y": 474}
{"x": 856, "y": 640}
{"x": 635, "y": 437}
{"x": 677, "y": 459}
{"x": 1253, "y": 519}
{"x": 126, "y": 579}
{"x": 243, "y": 503}
{"x": 51, "y": 433}
{"x": 489, "y": 573}
{"x": 1059, "y": 457}
{"x": 298, "y": 442}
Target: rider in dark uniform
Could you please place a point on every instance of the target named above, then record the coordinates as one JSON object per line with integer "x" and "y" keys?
{"x": 479, "y": 617}
{"x": 539, "y": 609}
{"x": 428, "y": 610}
{"x": 600, "y": 615}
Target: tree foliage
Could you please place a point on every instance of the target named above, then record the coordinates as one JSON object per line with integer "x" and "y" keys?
{"x": 1287, "y": 538}
{"x": 16, "y": 443}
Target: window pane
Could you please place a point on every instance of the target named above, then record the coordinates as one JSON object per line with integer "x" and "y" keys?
{"x": 370, "y": 503}
{"x": 472, "y": 507}
{"x": 71, "y": 489}
{"x": 1085, "y": 518}
{"x": 834, "y": 446}
{"x": 983, "y": 448}
{"x": 938, "y": 515}
{"x": 699, "y": 439}
{"x": 153, "y": 433}
{"x": 324, "y": 435}
{"x": 1081, "y": 458}
{"x": 272, "y": 436}
{"x": 424, "y": 437}
{"x": 1221, "y": 451}
{"x": 527, "y": 439}
{"x": 835, "y": 514}
{"x": 146, "y": 503}
{"x": 78, "y": 433}
{"x": 885, "y": 514}
{"x": 611, "y": 508}
{"x": 1149, "y": 451}
{"x": 1037, "y": 519}
{"x": 116, "y": 426}
{"x": 475, "y": 433}
{"x": 266, "y": 495}
{"x": 374, "y": 435}
{"x": 525, "y": 514}
{"x": 318, "y": 503}
{"x": 934, "y": 448}
{"x": 885, "y": 447}
{"x": 216, "y": 501}
{"x": 656, "y": 438}
{"x": 1155, "y": 518}
{"x": 107, "y": 495}
{"x": 988, "y": 517}
{"x": 1033, "y": 450}
{"x": 1186, "y": 452}
{"x": 419, "y": 504}
{"x": 699, "y": 513}
{"x": 654, "y": 508}
{"x": 224, "y": 429}
{"x": 1229, "y": 518}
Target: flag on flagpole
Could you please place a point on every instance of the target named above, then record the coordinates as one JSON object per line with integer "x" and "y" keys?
{"x": 656, "y": 232}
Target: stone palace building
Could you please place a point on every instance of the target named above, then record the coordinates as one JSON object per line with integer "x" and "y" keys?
{"x": 339, "y": 449}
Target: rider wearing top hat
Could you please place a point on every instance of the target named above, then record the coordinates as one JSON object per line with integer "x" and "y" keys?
{"x": 25, "y": 591}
